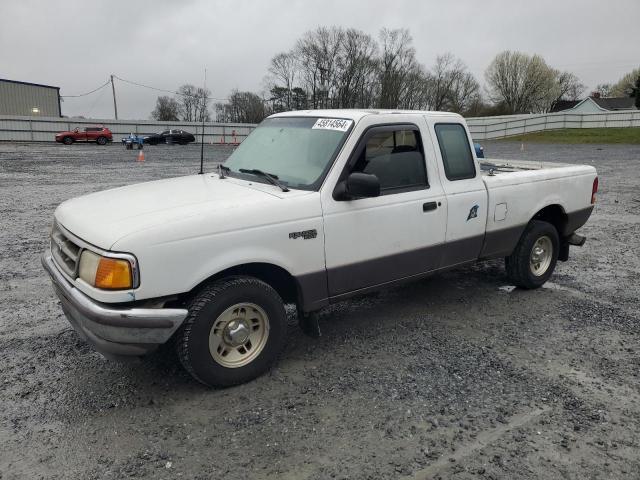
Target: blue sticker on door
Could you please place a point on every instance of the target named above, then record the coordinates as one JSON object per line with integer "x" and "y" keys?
{"x": 473, "y": 213}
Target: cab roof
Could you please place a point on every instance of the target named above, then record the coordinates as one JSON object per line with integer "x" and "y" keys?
{"x": 357, "y": 114}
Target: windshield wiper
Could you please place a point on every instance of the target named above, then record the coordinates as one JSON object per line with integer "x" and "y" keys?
{"x": 273, "y": 179}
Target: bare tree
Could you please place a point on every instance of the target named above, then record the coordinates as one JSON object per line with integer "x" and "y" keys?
{"x": 417, "y": 85}
{"x": 346, "y": 68}
{"x": 194, "y": 103}
{"x": 450, "y": 86}
{"x": 317, "y": 53}
{"x": 397, "y": 60}
{"x": 242, "y": 107}
{"x": 167, "y": 109}
{"x": 464, "y": 93}
{"x": 188, "y": 102}
{"x": 524, "y": 83}
{"x": 283, "y": 69}
{"x": 569, "y": 86}
{"x": 356, "y": 70}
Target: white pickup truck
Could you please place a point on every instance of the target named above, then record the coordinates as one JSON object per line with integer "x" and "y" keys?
{"x": 312, "y": 208}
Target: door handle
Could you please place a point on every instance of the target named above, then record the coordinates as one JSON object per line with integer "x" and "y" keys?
{"x": 427, "y": 207}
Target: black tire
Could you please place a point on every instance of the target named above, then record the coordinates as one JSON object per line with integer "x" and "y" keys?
{"x": 101, "y": 140}
{"x": 192, "y": 342}
{"x": 519, "y": 264}
{"x": 67, "y": 140}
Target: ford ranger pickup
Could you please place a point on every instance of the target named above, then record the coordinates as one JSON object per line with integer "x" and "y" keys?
{"x": 312, "y": 208}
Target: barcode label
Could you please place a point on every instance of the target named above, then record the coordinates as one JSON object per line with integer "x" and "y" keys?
{"x": 333, "y": 124}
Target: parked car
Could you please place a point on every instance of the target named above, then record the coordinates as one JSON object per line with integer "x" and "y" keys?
{"x": 99, "y": 134}
{"x": 170, "y": 136}
{"x": 479, "y": 150}
{"x": 311, "y": 209}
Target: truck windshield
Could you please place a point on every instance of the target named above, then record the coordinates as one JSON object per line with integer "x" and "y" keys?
{"x": 298, "y": 151}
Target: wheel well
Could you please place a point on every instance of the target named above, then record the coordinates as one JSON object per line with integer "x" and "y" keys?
{"x": 556, "y": 216}
{"x": 277, "y": 277}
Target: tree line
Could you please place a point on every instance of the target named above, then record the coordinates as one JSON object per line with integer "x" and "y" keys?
{"x": 334, "y": 67}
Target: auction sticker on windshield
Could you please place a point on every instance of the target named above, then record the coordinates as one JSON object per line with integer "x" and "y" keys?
{"x": 339, "y": 124}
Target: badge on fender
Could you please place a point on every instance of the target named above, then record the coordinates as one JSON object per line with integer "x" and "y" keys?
{"x": 305, "y": 235}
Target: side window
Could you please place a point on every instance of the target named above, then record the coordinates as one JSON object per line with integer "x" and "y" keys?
{"x": 396, "y": 158}
{"x": 456, "y": 152}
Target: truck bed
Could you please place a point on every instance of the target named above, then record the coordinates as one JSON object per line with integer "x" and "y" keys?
{"x": 518, "y": 189}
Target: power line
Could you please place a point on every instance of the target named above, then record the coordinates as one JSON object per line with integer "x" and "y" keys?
{"x": 167, "y": 91}
{"x": 88, "y": 93}
{"x": 94, "y": 103}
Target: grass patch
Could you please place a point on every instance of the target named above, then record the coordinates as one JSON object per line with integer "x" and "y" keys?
{"x": 629, "y": 135}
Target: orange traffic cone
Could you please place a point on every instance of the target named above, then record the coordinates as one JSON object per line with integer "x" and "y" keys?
{"x": 141, "y": 156}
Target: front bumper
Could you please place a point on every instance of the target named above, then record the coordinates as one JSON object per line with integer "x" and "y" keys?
{"x": 114, "y": 332}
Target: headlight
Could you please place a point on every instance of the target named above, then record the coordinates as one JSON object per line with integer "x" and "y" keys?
{"x": 105, "y": 272}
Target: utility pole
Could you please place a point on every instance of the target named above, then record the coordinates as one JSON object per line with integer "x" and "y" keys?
{"x": 115, "y": 105}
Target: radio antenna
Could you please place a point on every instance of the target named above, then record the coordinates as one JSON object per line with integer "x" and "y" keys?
{"x": 204, "y": 105}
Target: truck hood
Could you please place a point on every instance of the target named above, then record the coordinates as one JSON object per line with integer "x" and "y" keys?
{"x": 105, "y": 217}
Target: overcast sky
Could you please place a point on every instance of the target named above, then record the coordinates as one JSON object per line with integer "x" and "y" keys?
{"x": 76, "y": 45}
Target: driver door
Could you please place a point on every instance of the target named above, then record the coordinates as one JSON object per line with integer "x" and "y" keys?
{"x": 80, "y": 134}
{"x": 399, "y": 234}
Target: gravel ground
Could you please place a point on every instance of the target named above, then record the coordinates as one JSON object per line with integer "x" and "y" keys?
{"x": 456, "y": 376}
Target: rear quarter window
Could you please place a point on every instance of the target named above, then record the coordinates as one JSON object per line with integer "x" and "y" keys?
{"x": 456, "y": 151}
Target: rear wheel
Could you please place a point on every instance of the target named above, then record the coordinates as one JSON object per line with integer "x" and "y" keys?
{"x": 101, "y": 140}
{"x": 235, "y": 330}
{"x": 67, "y": 140}
{"x": 535, "y": 256}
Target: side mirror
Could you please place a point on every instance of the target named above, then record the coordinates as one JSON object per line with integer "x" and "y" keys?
{"x": 358, "y": 185}
{"x": 76, "y": 130}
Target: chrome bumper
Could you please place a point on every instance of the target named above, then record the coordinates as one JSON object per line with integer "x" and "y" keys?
{"x": 114, "y": 332}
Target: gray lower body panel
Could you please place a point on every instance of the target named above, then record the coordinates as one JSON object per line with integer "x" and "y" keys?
{"x": 321, "y": 288}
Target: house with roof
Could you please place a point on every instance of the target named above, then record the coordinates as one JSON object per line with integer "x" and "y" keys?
{"x": 595, "y": 104}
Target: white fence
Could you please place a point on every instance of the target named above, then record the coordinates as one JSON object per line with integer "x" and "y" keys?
{"x": 43, "y": 129}
{"x": 40, "y": 129}
{"x": 487, "y": 128}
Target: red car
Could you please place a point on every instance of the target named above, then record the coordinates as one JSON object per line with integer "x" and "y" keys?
{"x": 99, "y": 134}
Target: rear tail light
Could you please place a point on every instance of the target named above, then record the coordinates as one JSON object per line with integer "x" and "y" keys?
{"x": 594, "y": 190}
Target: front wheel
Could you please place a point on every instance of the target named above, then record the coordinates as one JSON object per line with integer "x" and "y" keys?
{"x": 101, "y": 140}
{"x": 534, "y": 258}
{"x": 67, "y": 140}
{"x": 235, "y": 330}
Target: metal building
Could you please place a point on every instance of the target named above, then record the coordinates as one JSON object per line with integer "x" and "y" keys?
{"x": 29, "y": 99}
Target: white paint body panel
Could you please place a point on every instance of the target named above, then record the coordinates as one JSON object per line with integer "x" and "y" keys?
{"x": 527, "y": 192}
{"x": 369, "y": 228}
{"x": 462, "y": 195}
{"x": 184, "y": 230}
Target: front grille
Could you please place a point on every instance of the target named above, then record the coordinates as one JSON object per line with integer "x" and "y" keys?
{"x": 65, "y": 252}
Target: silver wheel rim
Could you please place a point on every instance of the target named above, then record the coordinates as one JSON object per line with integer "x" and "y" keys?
{"x": 541, "y": 255}
{"x": 238, "y": 335}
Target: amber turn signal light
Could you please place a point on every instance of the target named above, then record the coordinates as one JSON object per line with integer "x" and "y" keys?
{"x": 113, "y": 274}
